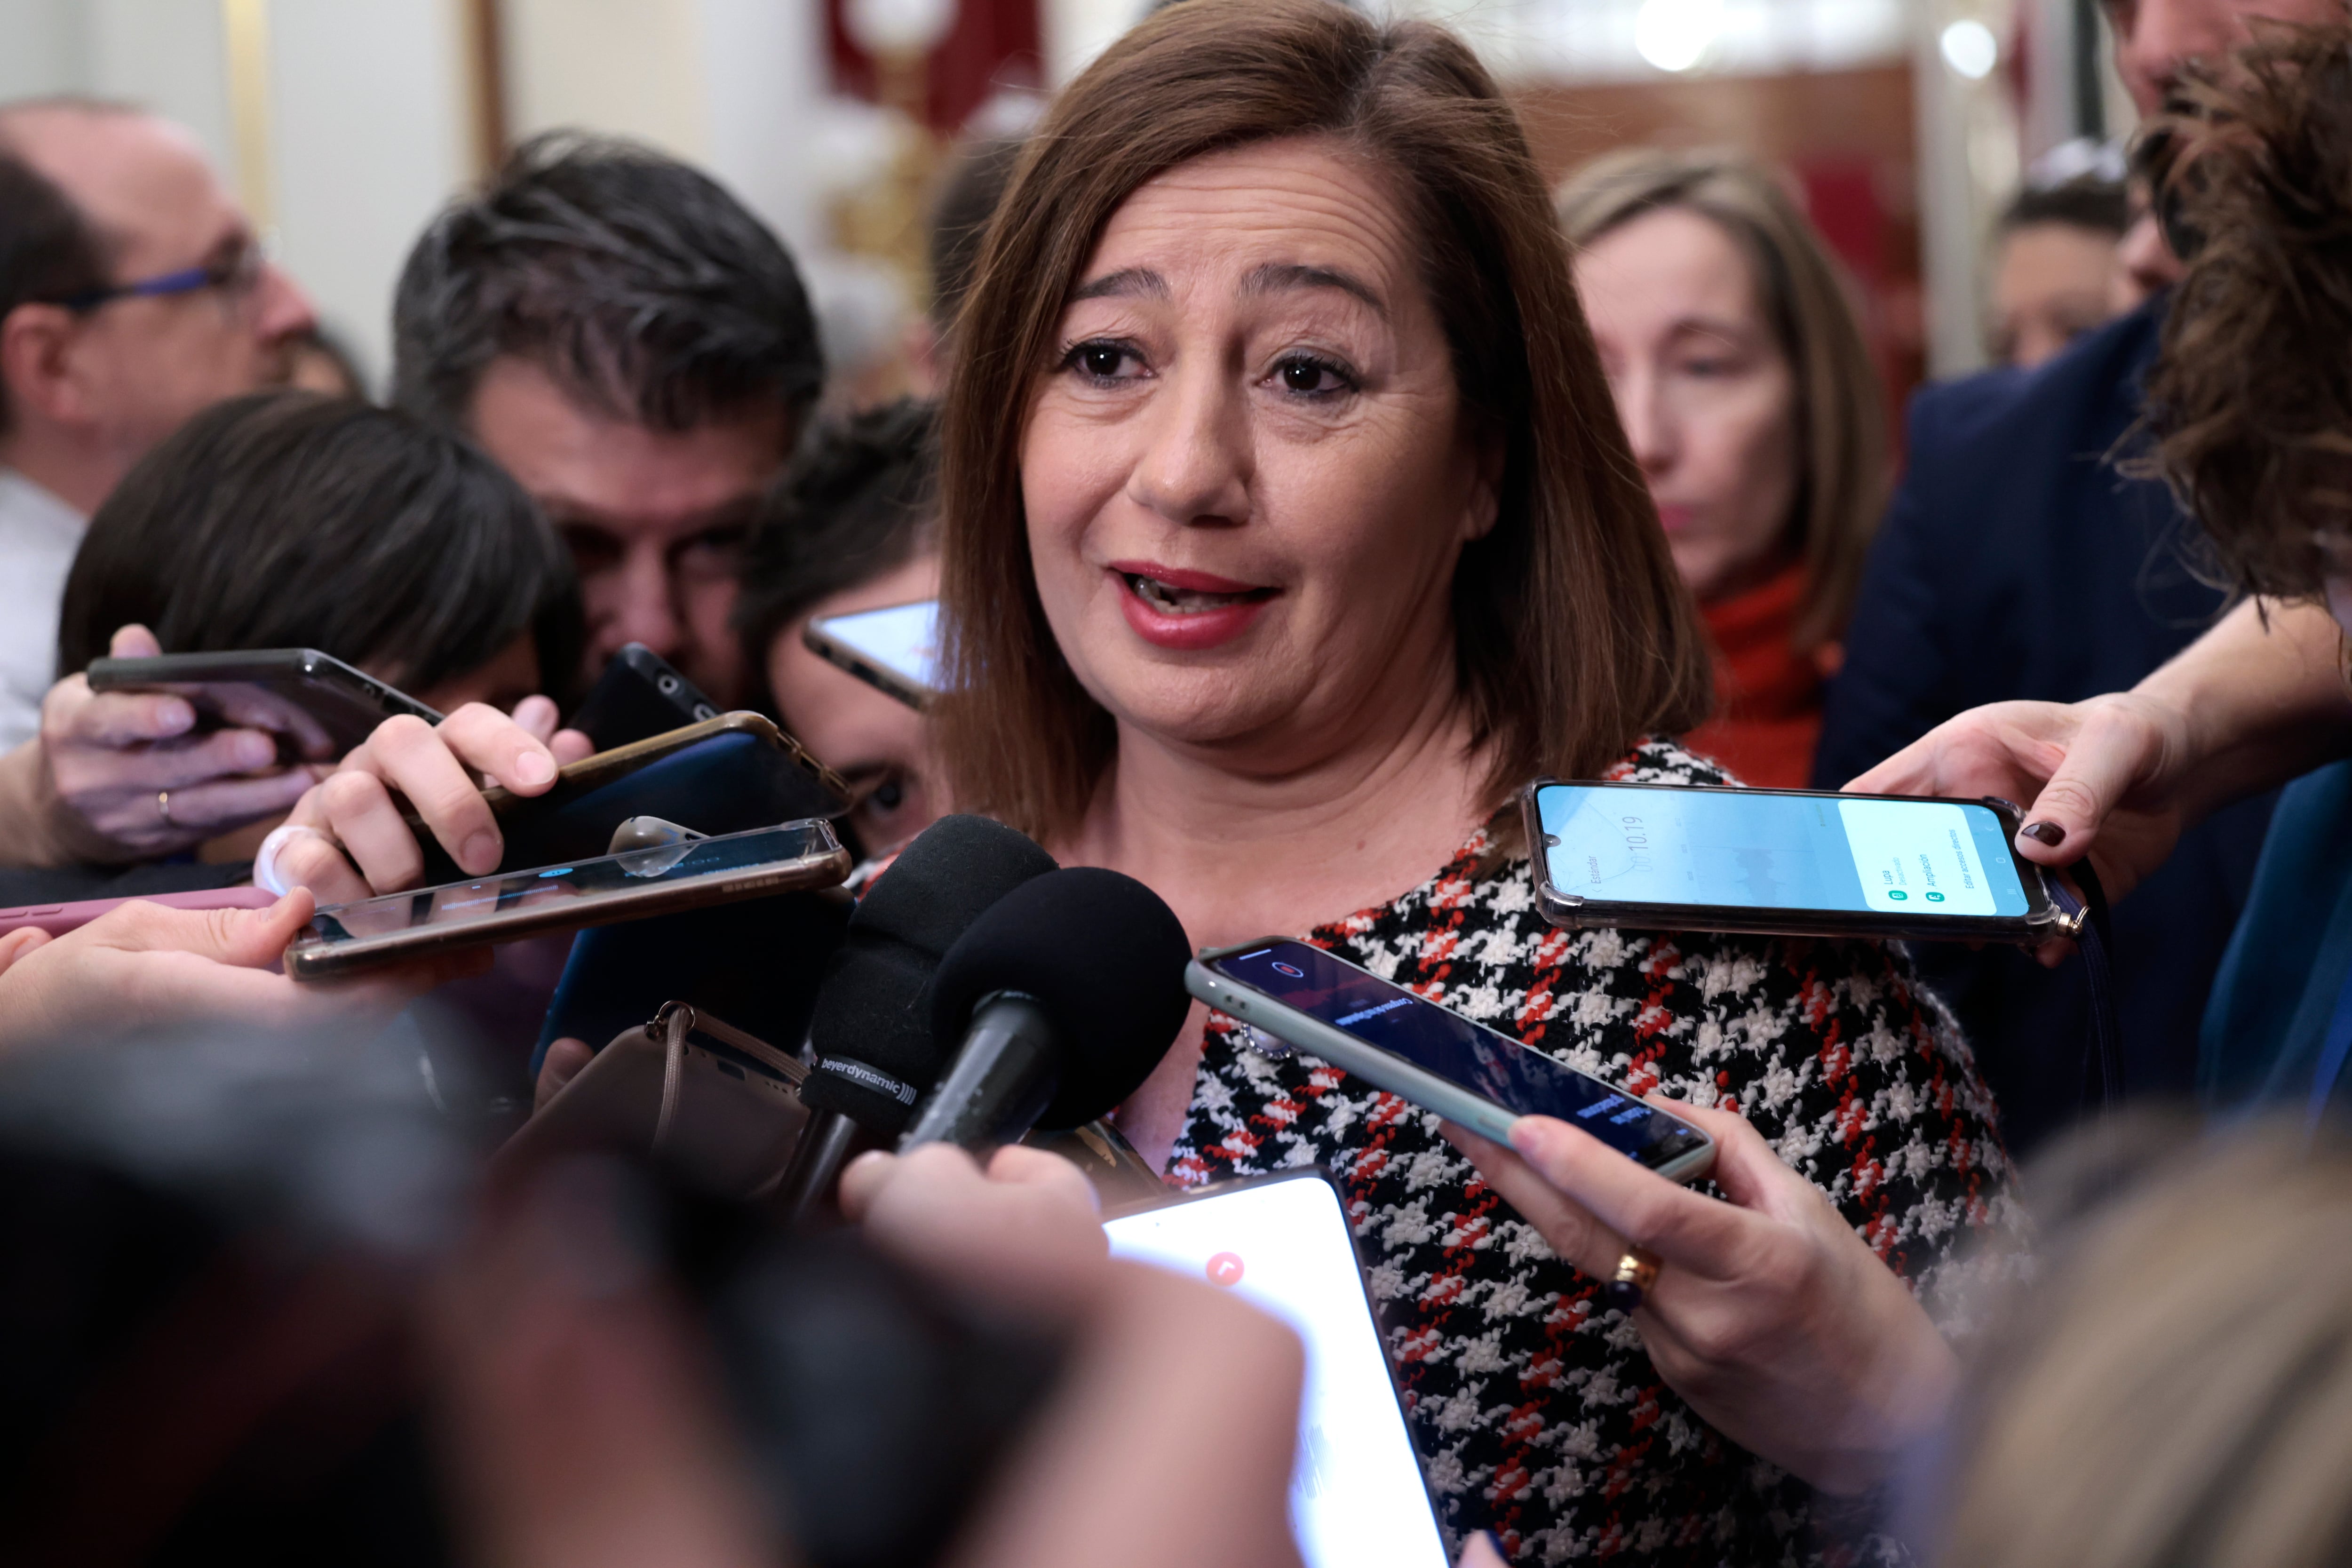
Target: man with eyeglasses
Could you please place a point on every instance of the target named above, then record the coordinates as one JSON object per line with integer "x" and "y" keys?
{"x": 133, "y": 293}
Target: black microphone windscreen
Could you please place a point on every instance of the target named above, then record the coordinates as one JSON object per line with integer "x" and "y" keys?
{"x": 871, "y": 1025}
{"x": 1103, "y": 955}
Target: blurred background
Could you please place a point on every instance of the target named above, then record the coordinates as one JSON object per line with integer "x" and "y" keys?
{"x": 344, "y": 123}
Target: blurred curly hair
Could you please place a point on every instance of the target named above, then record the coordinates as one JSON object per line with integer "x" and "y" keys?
{"x": 2251, "y": 399}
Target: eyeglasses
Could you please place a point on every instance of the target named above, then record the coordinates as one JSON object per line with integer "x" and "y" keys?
{"x": 235, "y": 275}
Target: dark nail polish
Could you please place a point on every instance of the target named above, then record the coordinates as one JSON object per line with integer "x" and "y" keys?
{"x": 2046, "y": 832}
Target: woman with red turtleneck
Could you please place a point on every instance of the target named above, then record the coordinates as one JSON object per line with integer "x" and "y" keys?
{"x": 1751, "y": 404}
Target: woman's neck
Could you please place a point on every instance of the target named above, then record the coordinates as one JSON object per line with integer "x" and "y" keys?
{"x": 1249, "y": 841}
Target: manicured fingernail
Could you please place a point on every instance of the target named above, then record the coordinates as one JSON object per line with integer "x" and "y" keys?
{"x": 535, "y": 768}
{"x": 174, "y": 716}
{"x": 2045, "y": 832}
{"x": 481, "y": 853}
{"x": 256, "y": 751}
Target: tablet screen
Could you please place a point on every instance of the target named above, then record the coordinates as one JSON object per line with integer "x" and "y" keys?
{"x": 1357, "y": 1497}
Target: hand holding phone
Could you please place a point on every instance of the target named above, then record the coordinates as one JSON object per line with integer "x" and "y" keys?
{"x": 318, "y": 706}
{"x": 1805, "y": 862}
{"x": 365, "y": 809}
{"x": 1769, "y": 1314}
{"x": 126, "y": 775}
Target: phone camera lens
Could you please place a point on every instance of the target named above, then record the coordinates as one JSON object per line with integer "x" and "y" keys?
{"x": 669, "y": 685}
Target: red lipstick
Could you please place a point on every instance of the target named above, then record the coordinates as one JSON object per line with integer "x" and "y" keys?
{"x": 1172, "y": 607}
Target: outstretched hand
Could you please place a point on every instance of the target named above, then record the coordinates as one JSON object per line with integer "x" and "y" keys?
{"x": 148, "y": 966}
{"x": 1769, "y": 1315}
{"x": 2101, "y": 778}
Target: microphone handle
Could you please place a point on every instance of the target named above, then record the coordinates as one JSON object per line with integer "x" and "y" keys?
{"x": 1002, "y": 1078}
{"x": 824, "y": 1148}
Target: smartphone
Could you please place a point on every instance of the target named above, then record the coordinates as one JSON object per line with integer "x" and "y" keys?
{"x": 319, "y": 707}
{"x": 1359, "y": 1498}
{"x": 1805, "y": 862}
{"x": 896, "y": 649}
{"x": 345, "y": 938}
{"x": 57, "y": 919}
{"x": 1430, "y": 1055}
{"x": 640, "y": 695}
{"x": 727, "y": 775}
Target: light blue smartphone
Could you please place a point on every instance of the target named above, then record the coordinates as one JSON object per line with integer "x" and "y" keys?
{"x": 1805, "y": 862}
{"x": 895, "y": 648}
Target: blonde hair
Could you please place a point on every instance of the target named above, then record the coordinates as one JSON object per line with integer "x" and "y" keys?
{"x": 1841, "y": 417}
{"x": 2176, "y": 1387}
{"x": 1574, "y": 636}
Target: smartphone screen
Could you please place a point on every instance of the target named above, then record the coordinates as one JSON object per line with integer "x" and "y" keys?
{"x": 458, "y": 904}
{"x": 1755, "y": 849}
{"x": 1441, "y": 1041}
{"x": 902, "y": 638}
{"x": 1357, "y": 1497}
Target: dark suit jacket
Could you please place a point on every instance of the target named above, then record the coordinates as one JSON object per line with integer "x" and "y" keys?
{"x": 2016, "y": 561}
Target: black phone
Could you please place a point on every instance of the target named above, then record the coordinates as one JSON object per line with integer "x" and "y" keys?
{"x": 1801, "y": 862}
{"x": 639, "y": 695}
{"x": 318, "y": 706}
{"x": 727, "y": 775}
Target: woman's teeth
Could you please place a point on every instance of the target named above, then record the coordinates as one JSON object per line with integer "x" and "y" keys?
{"x": 1184, "y": 601}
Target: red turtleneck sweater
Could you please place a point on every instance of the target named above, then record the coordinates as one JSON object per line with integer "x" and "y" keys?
{"x": 1767, "y": 695}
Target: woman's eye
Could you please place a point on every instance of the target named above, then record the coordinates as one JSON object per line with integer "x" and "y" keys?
{"x": 1101, "y": 361}
{"x": 1310, "y": 377}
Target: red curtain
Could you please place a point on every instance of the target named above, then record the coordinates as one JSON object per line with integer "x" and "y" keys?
{"x": 994, "y": 44}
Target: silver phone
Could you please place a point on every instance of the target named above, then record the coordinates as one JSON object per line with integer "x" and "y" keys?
{"x": 1430, "y": 1055}
{"x": 893, "y": 649}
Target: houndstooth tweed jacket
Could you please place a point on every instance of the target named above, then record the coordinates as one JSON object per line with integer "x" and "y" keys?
{"x": 1536, "y": 1411}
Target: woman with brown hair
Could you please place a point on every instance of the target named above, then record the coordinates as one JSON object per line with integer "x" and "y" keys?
{"x": 1751, "y": 405}
{"x": 1288, "y": 530}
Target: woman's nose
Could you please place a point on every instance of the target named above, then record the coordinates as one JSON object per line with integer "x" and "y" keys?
{"x": 1649, "y": 423}
{"x": 1195, "y": 465}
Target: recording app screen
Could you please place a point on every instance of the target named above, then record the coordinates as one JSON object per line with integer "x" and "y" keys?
{"x": 1356, "y": 1495}
{"x": 1749, "y": 850}
{"x": 904, "y": 638}
{"x": 1449, "y": 1044}
{"x": 459, "y": 903}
